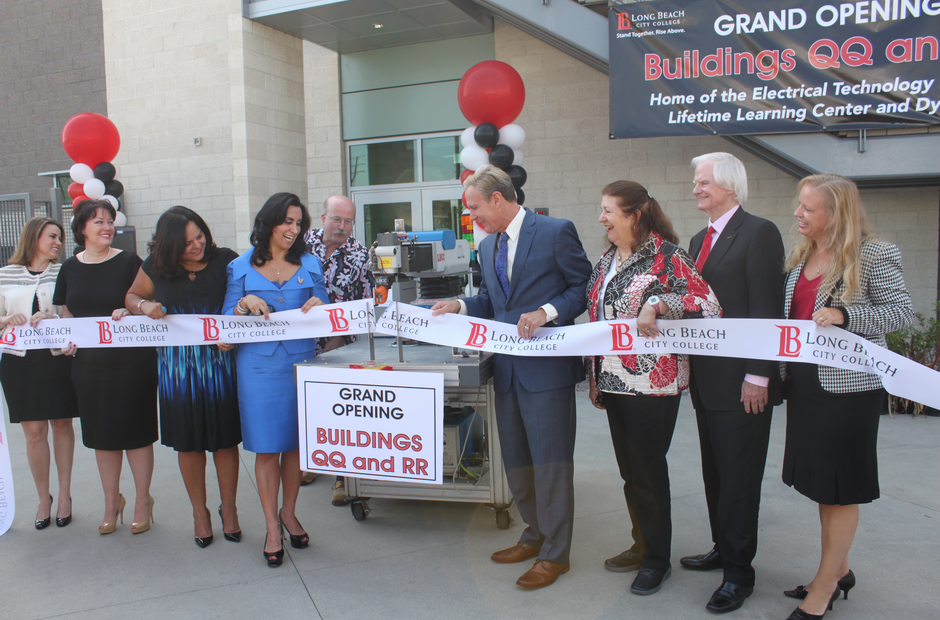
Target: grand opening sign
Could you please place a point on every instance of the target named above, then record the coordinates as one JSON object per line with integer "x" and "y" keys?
{"x": 694, "y": 67}
{"x": 371, "y": 423}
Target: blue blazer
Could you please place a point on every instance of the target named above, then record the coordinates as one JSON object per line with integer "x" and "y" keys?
{"x": 244, "y": 279}
{"x": 549, "y": 266}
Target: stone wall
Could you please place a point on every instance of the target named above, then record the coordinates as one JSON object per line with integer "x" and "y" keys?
{"x": 51, "y": 68}
{"x": 569, "y": 158}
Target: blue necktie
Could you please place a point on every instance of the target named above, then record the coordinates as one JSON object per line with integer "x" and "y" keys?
{"x": 502, "y": 258}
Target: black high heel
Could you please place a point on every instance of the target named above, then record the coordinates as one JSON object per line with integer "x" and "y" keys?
{"x": 63, "y": 521}
{"x": 42, "y": 524}
{"x": 297, "y": 542}
{"x": 205, "y": 542}
{"x": 231, "y": 537}
{"x": 274, "y": 558}
{"x": 799, "y": 614}
{"x": 845, "y": 584}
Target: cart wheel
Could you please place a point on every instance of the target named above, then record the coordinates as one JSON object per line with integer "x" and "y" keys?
{"x": 360, "y": 510}
{"x": 503, "y": 519}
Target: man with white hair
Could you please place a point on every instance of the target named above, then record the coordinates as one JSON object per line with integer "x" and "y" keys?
{"x": 741, "y": 257}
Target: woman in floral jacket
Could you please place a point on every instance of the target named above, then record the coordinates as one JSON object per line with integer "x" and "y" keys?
{"x": 642, "y": 276}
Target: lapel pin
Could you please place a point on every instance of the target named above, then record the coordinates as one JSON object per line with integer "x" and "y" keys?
{"x": 300, "y": 280}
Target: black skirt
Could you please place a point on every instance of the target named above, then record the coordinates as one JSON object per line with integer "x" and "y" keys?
{"x": 117, "y": 397}
{"x": 38, "y": 387}
{"x": 831, "y": 453}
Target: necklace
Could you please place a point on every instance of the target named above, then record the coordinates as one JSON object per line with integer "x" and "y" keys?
{"x": 621, "y": 260}
{"x": 817, "y": 267}
{"x": 97, "y": 262}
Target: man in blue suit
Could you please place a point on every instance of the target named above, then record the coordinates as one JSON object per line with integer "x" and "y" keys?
{"x": 534, "y": 272}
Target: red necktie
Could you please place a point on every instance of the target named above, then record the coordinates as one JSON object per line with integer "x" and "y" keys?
{"x": 706, "y": 248}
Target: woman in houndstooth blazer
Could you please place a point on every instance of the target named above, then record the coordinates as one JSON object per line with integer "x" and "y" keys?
{"x": 838, "y": 274}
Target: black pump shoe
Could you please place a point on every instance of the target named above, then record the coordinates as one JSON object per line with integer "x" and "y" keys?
{"x": 274, "y": 558}
{"x": 63, "y": 521}
{"x": 42, "y": 524}
{"x": 799, "y": 614}
{"x": 231, "y": 537}
{"x": 203, "y": 542}
{"x": 845, "y": 584}
{"x": 297, "y": 542}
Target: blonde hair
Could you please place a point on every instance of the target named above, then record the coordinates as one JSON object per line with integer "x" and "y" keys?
{"x": 489, "y": 180}
{"x": 29, "y": 239}
{"x": 844, "y": 234}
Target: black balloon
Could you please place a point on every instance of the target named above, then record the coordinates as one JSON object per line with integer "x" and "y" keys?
{"x": 105, "y": 172}
{"x": 486, "y": 135}
{"x": 501, "y": 156}
{"x": 520, "y": 196}
{"x": 517, "y": 175}
{"x": 113, "y": 188}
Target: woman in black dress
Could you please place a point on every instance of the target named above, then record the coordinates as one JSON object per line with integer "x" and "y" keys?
{"x": 38, "y": 383}
{"x": 116, "y": 388}
{"x": 186, "y": 274}
{"x": 838, "y": 275}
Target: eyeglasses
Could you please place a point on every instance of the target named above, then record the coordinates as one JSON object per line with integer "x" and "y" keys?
{"x": 336, "y": 220}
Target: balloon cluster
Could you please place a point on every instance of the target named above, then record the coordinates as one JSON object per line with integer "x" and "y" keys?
{"x": 92, "y": 141}
{"x": 491, "y": 95}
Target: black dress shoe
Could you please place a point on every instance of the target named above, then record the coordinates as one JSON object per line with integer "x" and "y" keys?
{"x": 728, "y": 597}
{"x": 706, "y": 561}
{"x": 800, "y": 614}
{"x": 203, "y": 542}
{"x": 627, "y": 561}
{"x": 649, "y": 581}
{"x": 63, "y": 521}
{"x": 42, "y": 524}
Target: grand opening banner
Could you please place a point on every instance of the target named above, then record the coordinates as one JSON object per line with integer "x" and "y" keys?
{"x": 699, "y": 67}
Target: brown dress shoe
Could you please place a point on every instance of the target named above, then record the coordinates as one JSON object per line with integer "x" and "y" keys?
{"x": 520, "y": 553}
{"x": 542, "y": 574}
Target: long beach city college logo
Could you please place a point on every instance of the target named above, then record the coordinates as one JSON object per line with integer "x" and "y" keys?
{"x": 210, "y": 330}
{"x": 104, "y": 332}
{"x": 477, "y": 335}
{"x": 789, "y": 341}
{"x": 9, "y": 339}
{"x": 622, "y": 340}
{"x": 623, "y": 21}
{"x": 338, "y": 321}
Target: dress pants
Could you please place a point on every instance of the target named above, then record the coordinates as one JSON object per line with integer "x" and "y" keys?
{"x": 641, "y": 428}
{"x": 536, "y": 436}
{"x": 734, "y": 451}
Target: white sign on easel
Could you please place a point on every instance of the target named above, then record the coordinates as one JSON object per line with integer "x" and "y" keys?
{"x": 376, "y": 424}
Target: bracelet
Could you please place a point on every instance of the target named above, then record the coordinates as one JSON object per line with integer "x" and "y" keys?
{"x": 139, "y": 303}
{"x": 241, "y": 310}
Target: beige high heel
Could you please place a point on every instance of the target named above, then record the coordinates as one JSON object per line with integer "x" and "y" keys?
{"x": 140, "y": 528}
{"x": 108, "y": 527}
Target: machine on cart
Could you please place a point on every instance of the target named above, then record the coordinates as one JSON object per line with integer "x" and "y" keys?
{"x": 421, "y": 268}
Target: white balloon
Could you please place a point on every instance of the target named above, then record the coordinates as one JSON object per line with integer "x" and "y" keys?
{"x": 114, "y": 202}
{"x": 94, "y": 189}
{"x": 81, "y": 173}
{"x": 512, "y": 135}
{"x": 474, "y": 157}
{"x": 517, "y": 157}
{"x": 466, "y": 138}
{"x": 120, "y": 219}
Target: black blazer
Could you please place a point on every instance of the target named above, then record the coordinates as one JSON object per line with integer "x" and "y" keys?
{"x": 745, "y": 269}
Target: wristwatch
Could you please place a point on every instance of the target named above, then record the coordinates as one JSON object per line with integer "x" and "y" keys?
{"x": 654, "y": 301}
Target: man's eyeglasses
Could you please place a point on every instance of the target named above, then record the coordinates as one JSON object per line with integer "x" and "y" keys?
{"x": 337, "y": 220}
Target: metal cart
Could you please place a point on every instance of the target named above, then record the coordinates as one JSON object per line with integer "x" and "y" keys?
{"x": 468, "y": 383}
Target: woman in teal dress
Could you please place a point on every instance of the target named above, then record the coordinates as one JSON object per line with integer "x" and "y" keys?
{"x": 277, "y": 274}
{"x": 186, "y": 274}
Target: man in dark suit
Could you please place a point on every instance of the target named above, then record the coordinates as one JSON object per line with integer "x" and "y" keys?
{"x": 534, "y": 272}
{"x": 741, "y": 257}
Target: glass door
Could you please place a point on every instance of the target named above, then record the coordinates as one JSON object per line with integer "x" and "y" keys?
{"x": 378, "y": 210}
{"x": 441, "y": 208}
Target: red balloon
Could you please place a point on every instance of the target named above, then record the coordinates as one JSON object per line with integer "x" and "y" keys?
{"x": 491, "y": 92}
{"x": 90, "y": 139}
{"x": 78, "y": 199}
{"x": 75, "y": 190}
{"x": 466, "y": 174}
{"x": 463, "y": 199}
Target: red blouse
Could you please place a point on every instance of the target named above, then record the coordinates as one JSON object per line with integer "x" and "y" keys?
{"x": 804, "y": 297}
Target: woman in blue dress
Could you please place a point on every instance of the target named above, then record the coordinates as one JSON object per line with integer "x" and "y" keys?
{"x": 277, "y": 274}
{"x": 186, "y": 274}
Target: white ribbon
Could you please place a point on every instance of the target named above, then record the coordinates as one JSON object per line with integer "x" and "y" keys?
{"x": 763, "y": 339}
{"x": 347, "y": 318}
{"x": 7, "y": 500}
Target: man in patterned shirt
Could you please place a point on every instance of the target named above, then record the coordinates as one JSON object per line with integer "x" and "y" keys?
{"x": 347, "y": 275}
